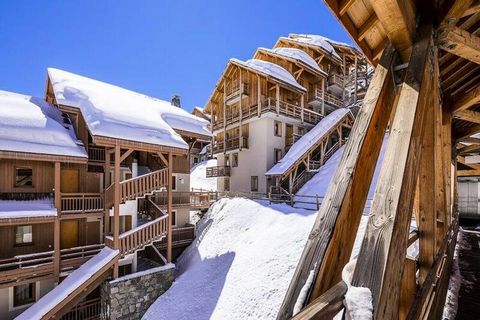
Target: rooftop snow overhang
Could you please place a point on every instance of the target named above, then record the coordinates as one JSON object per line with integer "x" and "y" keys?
{"x": 308, "y": 45}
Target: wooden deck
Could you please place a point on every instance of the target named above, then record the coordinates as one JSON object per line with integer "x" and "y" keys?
{"x": 469, "y": 264}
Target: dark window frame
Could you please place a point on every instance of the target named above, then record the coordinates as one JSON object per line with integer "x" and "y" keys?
{"x": 29, "y": 300}
{"x": 254, "y": 183}
{"x": 22, "y": 244}
{"x": 15, "y": 175}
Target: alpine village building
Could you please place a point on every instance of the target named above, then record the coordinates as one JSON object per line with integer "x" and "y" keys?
{"x": 94, "y": 177}
{"x": 261, "y": 107}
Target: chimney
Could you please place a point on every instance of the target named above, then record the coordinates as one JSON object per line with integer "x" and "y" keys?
{"x": 176, "y": 101}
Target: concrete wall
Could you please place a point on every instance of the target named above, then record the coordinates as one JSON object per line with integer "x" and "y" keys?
{"x": 130, "y": 296}
{"x": 260, "y": 155}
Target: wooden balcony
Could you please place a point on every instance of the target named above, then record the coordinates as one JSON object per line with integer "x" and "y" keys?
{"x": 141, "y": 236}
{"x": 317, "y": 96}
{"x": 336, "y": 80}
{"x": 234, "y": 90}
{"x": 38, "y": 266}
{"x": 81, "y": 203}
{"x": 181, "y": 237}
{"x": 138, "y": 187}
{"x": 230, "y": 144}
{"x": 218, "y": 171}
{"x": 191, "y": 199}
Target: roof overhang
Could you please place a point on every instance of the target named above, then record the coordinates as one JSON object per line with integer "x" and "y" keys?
{"x": 15, "y": 155}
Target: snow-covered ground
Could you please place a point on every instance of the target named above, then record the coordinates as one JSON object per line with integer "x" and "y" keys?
{"x": 198, "y": 176}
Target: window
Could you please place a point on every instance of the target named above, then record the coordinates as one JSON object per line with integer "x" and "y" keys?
{"x": 254, "y": 183}
{"x": 227, "y": 161}
{"x": 23, "y": 177}
{"x": 235, "y": 160}
{"x": 226, "y": 184}
{"x": 277, "y": 128}
{"x": 278, "y": 155}
{"x": 23, "y": 235}
{"x": 24, "y": 294}
{"x": 174, "y": 182}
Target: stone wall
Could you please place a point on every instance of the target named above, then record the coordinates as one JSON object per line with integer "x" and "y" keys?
{"x": 130, "y": 296}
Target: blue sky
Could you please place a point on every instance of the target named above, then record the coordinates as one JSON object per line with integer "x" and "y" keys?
{"x": 158, "y": 48}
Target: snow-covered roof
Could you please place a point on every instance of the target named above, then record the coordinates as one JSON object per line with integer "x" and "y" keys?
{"x": 271, "y": 70}
{"x": 119, "y": 113}
{"x": 29, "y": 124}
{"x": 303, "y": 144}
{"x": 69, "y": 285}
{"x": 315, "y": 40}
{"x": 297, "y": 54}
{"x": 12, "y": 209}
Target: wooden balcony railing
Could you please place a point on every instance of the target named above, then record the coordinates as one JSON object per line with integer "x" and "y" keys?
{"x": 86, "y": 310}
{"x": 141, "y": 236}
{"x": 336, "y": 80}
{"x": 235, "y": 88}
{"x": 181, "y": 236}
{"x": 30, "y": 267}
{"x": 81, "y": 203}
{"x": 218, "y": 171}
{"x": 138, "y": 187}
{"x": 230, "y": 144}
{"x": 96, "y": 154}
{"x": 319, "y": 95}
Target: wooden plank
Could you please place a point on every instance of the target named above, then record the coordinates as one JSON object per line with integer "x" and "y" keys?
{"x": 468, "y": 173}
{"x": 116, "y": 206}
{"x": 462, "y": 133}
{"x": 345, "y": 5}
{"x": 426, "y": 187}
{"x": 460, "y": 43}
{"x": 326, "y": 306}
{"x": 409, "y": 287}
{"x": 468, "y": 115}
{"x": 169, "y": 207}
{"x": 361, "y": 150}
{"x": 467, "y": 100}
{"x": 367, "y": 26}
{"x": 56, "y": 235}
{"x": 472, "y": 10}
{"x": 456, "y": 11}
{"x": 383, "y": 250}
{"x": 398, "y": 20}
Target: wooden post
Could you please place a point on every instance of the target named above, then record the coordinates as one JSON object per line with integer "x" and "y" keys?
{"x": 277, "y": 97}
{"x": 169, "y": 207}
{"x": 355, "y": 79}
{"x": 56, "y": 237}
{"x": 259, "y": 96}
{"x": 224, "y": 115}
{"x": 383, "y": 250}
{"x": 426, "y": 199}
{"x": 344, "y": 69}
{"x": 116, "y": 205}
{"x": 240, "y": 106}
{"x": 409, "y": 287}
{"x": 106, "y": 217}
{"x": 212, "y": 115}
{"x": 342, "y": 207}
{"x": 302, "y": 105}
{"x": 323, "y": 96}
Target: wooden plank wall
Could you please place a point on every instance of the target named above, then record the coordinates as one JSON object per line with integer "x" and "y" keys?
{"x": 43, "y": 176}
{"x": 42, "y": 240}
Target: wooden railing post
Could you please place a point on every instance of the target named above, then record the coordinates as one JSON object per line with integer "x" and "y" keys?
{"x": 56, "y": 239}
{"x": 169, "y": 207}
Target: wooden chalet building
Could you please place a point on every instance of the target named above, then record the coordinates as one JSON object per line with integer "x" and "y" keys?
{"x": 261, "y": 107}
{"x": 95, "y": 170}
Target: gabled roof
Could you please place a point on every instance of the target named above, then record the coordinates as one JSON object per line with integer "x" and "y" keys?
{"x": 114, "y": 112}
{"x": 29, "y": 125}
{"x": 270, "y": 70}
{"x": 298, "y": 55}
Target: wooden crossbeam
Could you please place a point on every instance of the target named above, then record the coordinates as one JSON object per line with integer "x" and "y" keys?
{"x": 383, "y": 250}
{"x": 468, "y": 173}
{"x": 367, "y": 26}
{"x": 468, "y": 115}
{"x": 462, "y": 133}
{"x": 456, "y": 11}
{"x": 342, "y": 207}
{"x": 398, "y": 20}
{"x": 472, "y": 10}
{"x": 467, "y": 100}
{"x": 468, "y": 149}
{"x": 125, "y": 155}
{"x": 345, "y": 5}
{"x": 460, "y": 43}
{"x": 469, "y": 140}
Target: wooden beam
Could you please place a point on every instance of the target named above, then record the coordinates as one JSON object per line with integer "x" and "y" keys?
{"x": 468, "y": 115}
{"x": 456, "y": 11}
{"x": 472, "y": 10}
{"x": 380, "y": 261}
{"x": 345, "y": 5}
{"x": 468, "y": 173}
{"x": 468, "y": 149}
{"x": 469, "y": 140}
{"x": 463, "y": 133}
{"x": 409, "y": 287}
{"x": 346, "y": 195}
{"x": 460, "y": 43}
{"x": 398, "y": 20}
{"x": 467, "y": 100}
{"x": 169, "y": 207}
{"x": 326, "y": 306}
{"x": 116, "y": 206}
{"x": 367, "y": 26}
{"x": 125, "y": 155}
{"x": 164, "y": 160}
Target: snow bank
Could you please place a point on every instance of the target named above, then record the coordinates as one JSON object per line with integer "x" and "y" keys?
{"x": 198, "y": 176}
{"x": 358, "y": 300}
{"x": 29, "y": 124}
{"x": 115, "y": 112}
{"x": 271, "y": 70}
{"x": 451, "y": 301}
{"x": 307, "y": 141}
{"x": 296, "y": 54}
{"x": 315, "y": 40}
{"x": 241, "y": 264}
{"x": 69, "y": 285}
{"x": 12, "y": 209}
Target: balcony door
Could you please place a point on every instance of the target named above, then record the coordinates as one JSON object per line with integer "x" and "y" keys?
{"x": 288, "y": 135}
{"x": 69, "y": 181}
{"x": 69, "y": 233}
